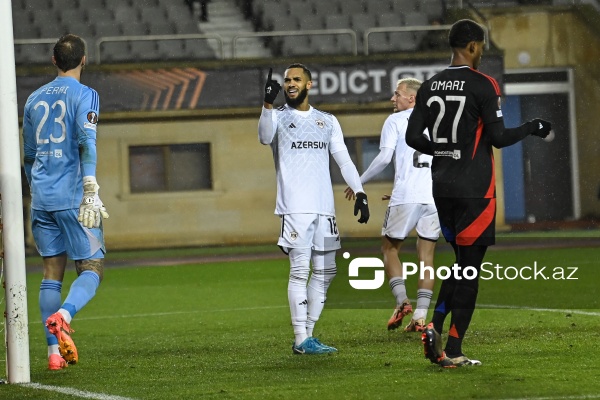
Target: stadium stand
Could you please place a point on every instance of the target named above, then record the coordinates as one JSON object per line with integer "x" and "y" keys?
{"x": 93, "y": 20}
{"x": 357, "y": 15}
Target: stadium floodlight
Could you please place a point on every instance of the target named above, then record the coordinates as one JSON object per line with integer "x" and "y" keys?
{"x": 17, "y": 334}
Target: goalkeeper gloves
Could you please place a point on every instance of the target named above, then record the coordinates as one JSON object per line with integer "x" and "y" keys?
{"x": 91, "y": 210}
{"x": 542, "y": 128}
{"x": 362, "y": 205}
{"x": 272, "y": 88}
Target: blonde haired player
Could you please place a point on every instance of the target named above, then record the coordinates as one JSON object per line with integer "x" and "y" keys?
{"x": 411, "y": 206}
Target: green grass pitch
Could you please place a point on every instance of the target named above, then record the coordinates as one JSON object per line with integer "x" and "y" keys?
{"x": 221, "y": 330}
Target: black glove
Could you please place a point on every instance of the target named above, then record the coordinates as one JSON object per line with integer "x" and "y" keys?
{"x": 542, "y": 128}
{"x": 362, "y": 205}
{"x": 272, "y": 88}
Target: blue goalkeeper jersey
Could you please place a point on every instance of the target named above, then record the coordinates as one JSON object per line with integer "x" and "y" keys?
{"x": 59, "y": 142}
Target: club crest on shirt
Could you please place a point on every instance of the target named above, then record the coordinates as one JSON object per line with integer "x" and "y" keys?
{"x": 320, "y": 123}
{"x": 92, "y": 117}
{"x": 293, "y": 235}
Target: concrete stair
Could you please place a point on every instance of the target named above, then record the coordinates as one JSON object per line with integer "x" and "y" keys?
{"x": 227, "y": 20}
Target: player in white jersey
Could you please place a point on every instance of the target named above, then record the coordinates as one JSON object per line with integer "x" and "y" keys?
{"x": 59, "y": 144}
{"x": 411, "y": 206}
{"x": 301, "y": 138}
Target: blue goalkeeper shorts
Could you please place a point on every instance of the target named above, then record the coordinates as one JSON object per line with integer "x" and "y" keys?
{"x": 57, "y": 232}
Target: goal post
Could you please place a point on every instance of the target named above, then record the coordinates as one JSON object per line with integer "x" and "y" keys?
{"x": 15, "y": 285}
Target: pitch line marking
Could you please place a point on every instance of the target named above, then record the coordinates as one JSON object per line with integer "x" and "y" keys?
{"x": 168, "y": 313}
{"x": 582, "y": 397}
{"x": 74, "y": 392}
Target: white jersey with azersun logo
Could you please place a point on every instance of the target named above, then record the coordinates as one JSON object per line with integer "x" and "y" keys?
{"x": 412, "y": 182}
{"x": 301, "y": 146}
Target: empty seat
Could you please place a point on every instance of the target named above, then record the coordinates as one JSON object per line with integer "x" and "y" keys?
{"x": 186, "y": 28}
{"x": 114, "y": 4}
{"x": 61, "y": 5}
{"x": 403, "y": 6}
{"x": 324, "y": 8}
{"x": 75, "y": 14}
{"x": 43, "y": 17}
{"x": 161, "y": 28}
{"x": 402, "y": 41}
{"x": 362, "y": 22}
{"x": 25, "y": 31}
{"x": 296, "y": 46}
{"x": 107, "y": 28}
{"x": 324, "y": 44}
{"x": 171, "y": 49}
{"x": 148, "y": 3}
{"x": 198, "y": 49}
{"x": 314, "y": 23}
{"x": 378, "y": 42}
{"x": 299, "y": 9}
{"x": 126, "y": 14}
{"x": 390, "y": 21}
{"x": 36, "y": 54}
{"x": 178, "y": 12}
{"x": 345, "y": 44}
{"x": 272, "y": 13}
{"x": 416, "y": 19}
{"x": 337, "y": 22}
{"x": 144, "y": 50}
{"x": 352, "y": 7}
{"x": 99, "y": 15}
{"x": 134, "y": 29}
{"x": 434, "y": 9}
{"x": 80, "y": 28}
{"x": 33, "y": 5}
{"x": 115, "y": 52}
{"x": 21, "y": 16}
{"x": 19, "y": 5}
{"x": 152, "y": 14}
{"x": 51, "y": 31}
{"x": 261, "y": 6}
{"x": 285, "y": 23}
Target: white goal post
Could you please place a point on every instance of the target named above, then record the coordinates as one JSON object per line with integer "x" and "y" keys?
{"x": 17, "y": 331}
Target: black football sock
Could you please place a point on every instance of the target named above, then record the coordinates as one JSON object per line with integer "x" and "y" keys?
{"x": 464, "y": 298}
{"x": 443, "y": 304}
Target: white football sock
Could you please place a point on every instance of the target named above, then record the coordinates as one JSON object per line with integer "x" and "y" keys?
{"x": 53, "y": 349}
{"x": 324, "y": 271}
{"x": 423, "y": 301}
{"x": 398, "y": 289}
{"x": 297, "y": 291}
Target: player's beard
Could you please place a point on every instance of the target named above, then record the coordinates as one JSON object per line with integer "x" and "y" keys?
{"x": 298, "y": 100}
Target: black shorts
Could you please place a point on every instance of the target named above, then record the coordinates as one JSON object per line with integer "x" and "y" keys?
{"x": 467, "y": 221}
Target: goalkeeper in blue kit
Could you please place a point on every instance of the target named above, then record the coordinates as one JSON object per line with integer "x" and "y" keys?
{"x": 59, "y": 143}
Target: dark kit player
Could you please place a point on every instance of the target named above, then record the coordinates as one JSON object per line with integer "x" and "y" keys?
{"x": 461, "y": 108}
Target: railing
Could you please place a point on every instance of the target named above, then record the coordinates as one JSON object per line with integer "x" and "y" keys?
{"x": 423, "y": 28}
{"x": 34, "y": 41}
{"x": 348, "y": 32}
{"x": 236, "y": 38}
{"x": 107, "y": 39}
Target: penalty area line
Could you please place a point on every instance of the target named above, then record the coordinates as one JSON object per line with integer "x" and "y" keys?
{"x": 74, "y": 392}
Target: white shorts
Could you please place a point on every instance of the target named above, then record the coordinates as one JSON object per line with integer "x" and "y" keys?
{"x": 314, "y": 231}
{"x": 403, "y": 218}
